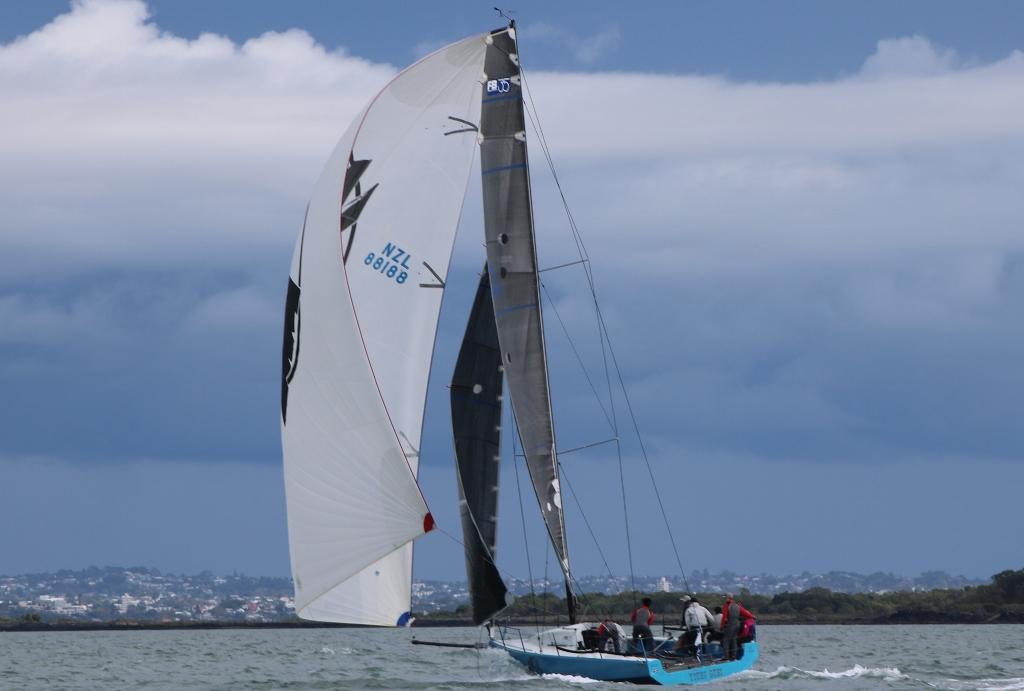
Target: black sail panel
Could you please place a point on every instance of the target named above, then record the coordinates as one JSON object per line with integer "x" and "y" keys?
{"x": 512, "y": 262}
{"x": 476, "y": 423}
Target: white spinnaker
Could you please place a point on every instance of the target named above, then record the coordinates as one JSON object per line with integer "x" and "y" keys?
{"x": 365, "y": 337}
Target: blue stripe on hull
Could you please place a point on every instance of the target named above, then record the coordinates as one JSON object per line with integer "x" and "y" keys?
{"x": 636, "y": 670}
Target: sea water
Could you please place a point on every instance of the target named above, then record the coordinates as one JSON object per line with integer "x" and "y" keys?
{"x": 953, "y": 658}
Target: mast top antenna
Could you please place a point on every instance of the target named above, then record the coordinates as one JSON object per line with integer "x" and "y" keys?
{"x": 506, "y": 14}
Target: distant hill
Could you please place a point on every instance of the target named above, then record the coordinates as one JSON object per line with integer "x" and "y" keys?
{"x": 434, "y": 596}
{"x": 147, "y": 594}
{"x": 1000, "y": 601}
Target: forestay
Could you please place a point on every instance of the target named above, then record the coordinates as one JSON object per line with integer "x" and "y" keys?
{"x": 364, "y": 294}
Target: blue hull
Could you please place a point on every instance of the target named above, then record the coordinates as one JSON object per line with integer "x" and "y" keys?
{"x": 630, "y": 669}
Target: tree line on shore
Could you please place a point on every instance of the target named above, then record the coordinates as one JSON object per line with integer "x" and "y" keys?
{"x": 1000, "y": 601}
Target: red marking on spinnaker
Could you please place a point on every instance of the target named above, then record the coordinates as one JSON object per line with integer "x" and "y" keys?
{"x": 428, "y": 523}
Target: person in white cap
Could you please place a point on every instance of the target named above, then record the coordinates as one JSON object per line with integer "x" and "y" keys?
{"x": 697, "y": 616}
{"x": 697, "y": 620}
{"x": 685, "y": 599}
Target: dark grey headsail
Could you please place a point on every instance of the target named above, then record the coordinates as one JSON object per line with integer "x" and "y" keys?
{"x": 476, "y": 423}
{"x": 512, "y": 262}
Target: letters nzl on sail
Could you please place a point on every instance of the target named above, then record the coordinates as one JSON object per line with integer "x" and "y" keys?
{"x": 392, "y": 261}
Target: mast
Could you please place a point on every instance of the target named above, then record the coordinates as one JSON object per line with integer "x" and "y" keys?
{"x": 515, "y": 285}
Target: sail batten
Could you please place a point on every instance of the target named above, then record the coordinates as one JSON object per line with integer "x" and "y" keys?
{"x": 353, "y": 395}
{"x": 515, "y": 286}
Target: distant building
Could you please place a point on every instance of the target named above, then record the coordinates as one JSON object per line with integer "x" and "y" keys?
{"x": 124, "y": 602}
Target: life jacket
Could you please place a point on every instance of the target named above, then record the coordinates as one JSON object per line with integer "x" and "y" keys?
{"x": 644, "y": 612}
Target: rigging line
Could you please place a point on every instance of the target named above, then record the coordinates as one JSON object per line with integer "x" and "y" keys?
{"x": 581, "y": 248}
{"x": 522, "y": 515}
{"x": 542, "y": 139}
{"x": 531, "y": 112}
{"x": 504, "y": 573}
{"x": 574, "y": 229}
{"x": 581, "y": 596}
{"x": 618, "y": 445}
{"x": 457, "y": 541}
{"x": 579, "y": 589}
{"x": 576, "y": 590}
{"x": 579, "y": 358}
{"x": 563, "y": 266}
{"x": 574, "y": 449}
{"x": 612, "y": 420}
{"x": 647, "y": 461}
{"x": 588, "y": 270}
{"x": 586, "y": 521}
{"x": 547, "y": 584}
{"x": 515, "y": 60}
{"x": 618, "y": 454}
{"x": 625, "y": 518}
{"x": 587, "y": 446}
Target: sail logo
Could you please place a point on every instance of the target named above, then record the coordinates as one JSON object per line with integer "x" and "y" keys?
{"x": 392, "y": 262}
{"x": 290, "y": 350}
{"x": 352, "y": 208}
{"x": 499, "y": 86}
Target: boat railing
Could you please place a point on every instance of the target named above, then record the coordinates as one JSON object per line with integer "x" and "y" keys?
{"x": 704, "y": 656}
{"x": 507, "y": 633}
{"x": 504, "y": 629}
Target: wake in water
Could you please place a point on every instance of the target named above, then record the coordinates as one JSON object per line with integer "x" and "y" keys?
{"x": 571, "y": 678}
{"x": 855, "y": 672}
{"x": 887, "y": 674}
{"x": 1009, "y": 684}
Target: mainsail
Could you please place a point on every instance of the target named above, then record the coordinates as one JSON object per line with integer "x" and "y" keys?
{"x": 476, "y": 424}
{"x": 512, "y": 263}
{"x": 361, "y": 315}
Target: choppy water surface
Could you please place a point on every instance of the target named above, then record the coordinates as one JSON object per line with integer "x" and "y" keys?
{"x": 989, "y": 658}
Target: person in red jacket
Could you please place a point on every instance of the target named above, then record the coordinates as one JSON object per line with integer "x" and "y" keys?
{"x": 733, "y": 616}
{"x": 642, "y": 618}
{"x": 611, "y": 637}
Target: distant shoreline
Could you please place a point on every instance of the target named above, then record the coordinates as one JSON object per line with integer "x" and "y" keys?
{"x": 29, "y": 626}
{"x": 36, "y": 626}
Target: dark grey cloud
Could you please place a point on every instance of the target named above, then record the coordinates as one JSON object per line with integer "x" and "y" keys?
{"x": 121, "y": 365}
{"x": 808, "y": 283}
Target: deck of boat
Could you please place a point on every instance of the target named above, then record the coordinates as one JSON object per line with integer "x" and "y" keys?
{"x": 658, "y": 668}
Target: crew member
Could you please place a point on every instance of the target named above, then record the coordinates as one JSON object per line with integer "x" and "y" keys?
{"x": 733, "y": 616}
{"x": 611, "y": 638}
{"x": 716, "y": 626}
{"x": 642, "y": 618}
{"x": 696, "y": 619}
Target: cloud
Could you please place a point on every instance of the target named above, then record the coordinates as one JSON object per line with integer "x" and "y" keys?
{"x": 828, "y": 269}
{"x": 143, "y": 147}
{"x": 123, "y": 144}
{"x": 585, "y": 50}
{"x": 913, "y": 56}
{"x": 33, "y": 320}
{"x": 231, "y": 310}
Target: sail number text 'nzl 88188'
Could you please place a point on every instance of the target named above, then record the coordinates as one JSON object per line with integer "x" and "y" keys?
{"x": 392, "y": 261}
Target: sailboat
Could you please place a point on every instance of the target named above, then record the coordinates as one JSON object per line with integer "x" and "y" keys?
{"x": 367, "y": 277}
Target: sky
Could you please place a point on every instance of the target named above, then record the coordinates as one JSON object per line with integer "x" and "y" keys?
{"x": 804, "y": 221}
